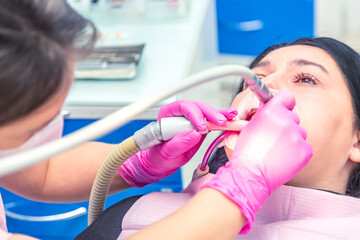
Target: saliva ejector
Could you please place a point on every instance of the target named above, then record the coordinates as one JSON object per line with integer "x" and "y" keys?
{"x": 156, "y": 133}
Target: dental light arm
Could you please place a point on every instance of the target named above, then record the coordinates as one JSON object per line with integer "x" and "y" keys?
{"x": 100, "y": 128}
{"x": 130, "y": 146}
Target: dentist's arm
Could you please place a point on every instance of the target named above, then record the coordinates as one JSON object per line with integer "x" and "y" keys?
{"x": 208, "y": 215}
{"x": 227, "y": 204}
{"x": 20, "y": 237}
{"x": 69, "y": 176}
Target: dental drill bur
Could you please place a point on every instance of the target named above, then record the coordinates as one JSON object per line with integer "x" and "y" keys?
{"x": 258, "y": 88}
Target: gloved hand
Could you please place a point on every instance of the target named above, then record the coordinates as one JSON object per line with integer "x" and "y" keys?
{"x": 270, "y": 150}
{"x": 151, "y": 165}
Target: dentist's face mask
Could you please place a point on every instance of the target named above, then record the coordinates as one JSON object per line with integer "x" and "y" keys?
{"x": 52, "y": 131}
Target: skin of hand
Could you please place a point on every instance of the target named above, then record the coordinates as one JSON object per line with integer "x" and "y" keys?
{"x": 20, "y": 237}
{"x": 208, "y": 215}
{"x": 60, "y": 179}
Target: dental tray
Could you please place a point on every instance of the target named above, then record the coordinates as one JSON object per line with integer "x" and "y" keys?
{"x": 118, "y": 62}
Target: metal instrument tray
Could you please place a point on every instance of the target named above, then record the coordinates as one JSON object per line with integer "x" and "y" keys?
{"x": 111, "y": 62}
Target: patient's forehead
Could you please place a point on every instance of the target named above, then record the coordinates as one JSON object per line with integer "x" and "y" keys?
{"x": 286, "y": 55}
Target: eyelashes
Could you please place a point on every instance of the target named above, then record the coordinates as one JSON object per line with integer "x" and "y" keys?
{"x": 306, "y": 78}
{"x": 301, "y": 78}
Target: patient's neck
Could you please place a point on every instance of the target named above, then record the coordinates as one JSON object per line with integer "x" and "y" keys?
{"x": 331, "y": 179}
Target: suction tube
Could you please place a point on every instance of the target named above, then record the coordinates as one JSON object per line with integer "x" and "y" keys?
{"x": 105, "y": 175}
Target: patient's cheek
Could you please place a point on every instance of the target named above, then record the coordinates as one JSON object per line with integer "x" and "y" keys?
{"x": 228, "y": 152}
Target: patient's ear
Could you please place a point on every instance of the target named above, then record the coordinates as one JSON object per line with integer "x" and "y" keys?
{"x": 355, "y": 149}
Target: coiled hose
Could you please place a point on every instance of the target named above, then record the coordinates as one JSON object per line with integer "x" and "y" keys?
{"x": 129, "y": 147}
{"x": 103, "y": 179}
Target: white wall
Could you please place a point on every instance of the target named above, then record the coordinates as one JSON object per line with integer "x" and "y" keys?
{"x": 339, "y": 19}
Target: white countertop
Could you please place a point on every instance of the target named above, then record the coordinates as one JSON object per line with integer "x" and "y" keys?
{"x": 170, "y": 46}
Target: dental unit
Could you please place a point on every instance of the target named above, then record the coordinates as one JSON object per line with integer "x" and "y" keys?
{"x": 151, "y": 135}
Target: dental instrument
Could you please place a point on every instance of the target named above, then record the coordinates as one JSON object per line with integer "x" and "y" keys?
{"x": 165, "y": 129}
{"x": 259, "y": 89}
{"x": 129, "y": 146}
{"x": 156, "y": 133}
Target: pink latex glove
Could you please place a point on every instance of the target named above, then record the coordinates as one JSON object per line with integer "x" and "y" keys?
{"x": 270, "y": 150}
{"x": 151, "y": 165}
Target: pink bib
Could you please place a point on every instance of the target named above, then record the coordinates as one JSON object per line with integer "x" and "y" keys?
{"x": 289, "y": 213}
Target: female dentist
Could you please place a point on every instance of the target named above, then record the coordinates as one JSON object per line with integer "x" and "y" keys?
{"x": 39, "y": 41}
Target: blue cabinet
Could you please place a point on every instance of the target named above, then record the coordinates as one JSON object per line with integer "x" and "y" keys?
{"x": 64, "y": 221}
{"x": 248, "y": 27}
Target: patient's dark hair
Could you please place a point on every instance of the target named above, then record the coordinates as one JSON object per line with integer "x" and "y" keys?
{"x": 38, "y": 39}
{"x": 348, "y": 61}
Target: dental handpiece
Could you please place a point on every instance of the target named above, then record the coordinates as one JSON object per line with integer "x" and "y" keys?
{"x": 157, "y": 132}
{"x": 165, "y": 129}
{"x": 258, "y": 88}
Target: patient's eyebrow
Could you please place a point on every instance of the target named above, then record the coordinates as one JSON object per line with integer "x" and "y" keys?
{"x": 296, "y": 62}
{"x": 303, "y": 62}
{"x": 262, "y": 64}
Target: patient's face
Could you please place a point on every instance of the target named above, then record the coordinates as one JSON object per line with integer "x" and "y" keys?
{"x": 324, "y": 105}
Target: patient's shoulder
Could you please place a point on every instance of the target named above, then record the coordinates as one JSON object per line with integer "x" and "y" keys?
{"x": 109, "y": 223}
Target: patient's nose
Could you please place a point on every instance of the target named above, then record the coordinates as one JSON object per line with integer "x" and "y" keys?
{"x": 272, "y": 82}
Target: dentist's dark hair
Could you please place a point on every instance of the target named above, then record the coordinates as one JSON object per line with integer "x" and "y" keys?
{"x": 38, "y": 40}
{"x": 348, "y": 61}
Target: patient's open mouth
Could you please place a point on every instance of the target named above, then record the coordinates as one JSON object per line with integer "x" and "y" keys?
{"x": 251, "y": 114}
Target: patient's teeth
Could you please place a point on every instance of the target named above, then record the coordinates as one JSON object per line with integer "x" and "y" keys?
{"x": 246, "y": 105}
